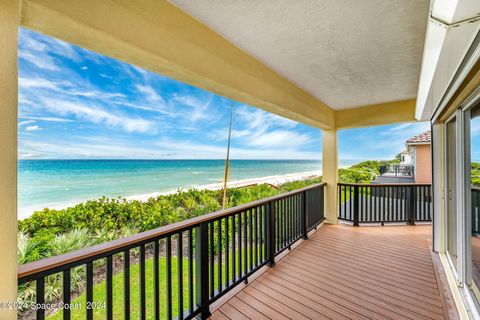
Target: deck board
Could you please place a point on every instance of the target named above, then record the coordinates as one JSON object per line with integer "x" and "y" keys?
{"x": 346, "y": 272}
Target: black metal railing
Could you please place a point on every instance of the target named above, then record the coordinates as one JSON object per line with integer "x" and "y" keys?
{"x": 384, "y": 203}
{"x": 189, "y": 264}
{"x": 398, "y": 169}
{"x": 476, "y": 211}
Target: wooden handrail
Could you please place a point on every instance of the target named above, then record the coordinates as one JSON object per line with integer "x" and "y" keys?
{"x": 384, "y": 184}
{"x": 103, "y": 248}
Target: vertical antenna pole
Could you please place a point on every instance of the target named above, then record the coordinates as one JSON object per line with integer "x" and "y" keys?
{"x": 224, "y": 200}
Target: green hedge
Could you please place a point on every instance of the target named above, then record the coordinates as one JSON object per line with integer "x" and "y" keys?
{"x": 362, "y": 172}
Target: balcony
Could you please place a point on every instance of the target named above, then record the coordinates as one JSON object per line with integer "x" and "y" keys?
{"x": 396, "y": 173}
{"x": 343, "y": 272}
{"x": 254, "y": 261}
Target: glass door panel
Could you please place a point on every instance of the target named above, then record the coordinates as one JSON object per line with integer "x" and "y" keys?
{"x": 473, "y": 160}
{"x": 451, "y": 191}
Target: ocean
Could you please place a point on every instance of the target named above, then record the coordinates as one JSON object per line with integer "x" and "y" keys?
{"x": 60, "y": 183}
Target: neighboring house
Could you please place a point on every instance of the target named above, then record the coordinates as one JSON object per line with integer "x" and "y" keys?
{"x": 405, "y": 158}
{"x": 419, "y": 151}
{"x": 415, "y": 163}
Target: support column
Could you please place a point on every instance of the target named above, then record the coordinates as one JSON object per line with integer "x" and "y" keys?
{"x": 330, "y": 174}
{"x": 9, "y": 21}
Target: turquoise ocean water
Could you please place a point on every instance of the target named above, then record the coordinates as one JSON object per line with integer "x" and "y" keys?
{"x": 53, "y": 183}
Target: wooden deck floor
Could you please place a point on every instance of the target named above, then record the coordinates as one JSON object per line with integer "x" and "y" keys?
{"x": 346, "y": 272}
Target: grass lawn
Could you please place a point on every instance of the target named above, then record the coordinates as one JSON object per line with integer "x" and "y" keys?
{"x": 99, "y": 291}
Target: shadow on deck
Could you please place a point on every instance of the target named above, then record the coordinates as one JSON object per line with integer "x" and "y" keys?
{"x": 346, "y": 272}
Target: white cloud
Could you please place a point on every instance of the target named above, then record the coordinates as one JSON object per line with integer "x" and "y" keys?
{"x": 188, "y": 150}
{"x": 143, "y": 107}
{"x": 41, "y": 61}
{"x": 46, "y": 119}
{"x": 199, "y": 108}
{"x": 22, "y": 123}
{"x": 38, "y": 83}
{"x": 45, "y": 46}
{"x": 150, "y": 93}
{"x": 32, "y": 128}
{"x": 260, "y": 129}
{"x": 98, "y": 115}
{"x": 280, "y": 139}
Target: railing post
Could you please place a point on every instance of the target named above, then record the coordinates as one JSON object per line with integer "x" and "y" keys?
{"x": 270, "y": 224}
{"x": 202, "y": 269}
{"x": 411, "y": 205}
{"x": 305, "y": 215}
{"x": 356, "y": 206}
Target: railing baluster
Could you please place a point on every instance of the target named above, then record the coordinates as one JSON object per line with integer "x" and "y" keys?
{"x": 190, "y": 270}
{"x": 212, "y": 259}
{"x": 168, "y": 254}
{"x": 126, "y": 284}
{"x": 142, "y": 280}
{"x": 424, "y": 200}
{"x": 219, "y": 254}
{"x": 156, "y": 279}
{"x": 250, "y": 225}
{"x": 89, "y": 290}
{"x": 262, "y": 233}
{"x": 227, "y": 251}
{"x": 245, "y": 244}
{"x": 66, "y": 294}
{"x": 305, "y": 220}
{"x": 109, "y": 303}
{"x": 234, "y": 249}
{"x": 180, "y": 274}
{"x": 256, "y": 236}
{"x": 240, "y": 252}
{"x": 276, "y": 212}
{"x": 397, "y": 204}
{"x": 290, "y": 213}
{"x": 40, "y": 293}
{"x": 356, "y": 205}
{"x": 411, "y": 204}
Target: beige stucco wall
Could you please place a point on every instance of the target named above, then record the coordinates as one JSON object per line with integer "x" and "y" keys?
{"x": 423, "y": 164}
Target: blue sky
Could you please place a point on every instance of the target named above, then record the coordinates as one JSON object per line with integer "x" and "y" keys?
{"x": 74, "y": 103}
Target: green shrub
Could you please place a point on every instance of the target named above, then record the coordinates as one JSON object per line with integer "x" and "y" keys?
{"x": 475, "y": 173}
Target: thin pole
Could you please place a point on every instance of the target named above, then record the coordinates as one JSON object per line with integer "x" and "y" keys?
{"x": 224, "y": 200}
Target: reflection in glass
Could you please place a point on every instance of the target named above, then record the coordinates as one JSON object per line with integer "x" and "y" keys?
{"x": 451, "y": 189}
{"x": 475, "y": 193}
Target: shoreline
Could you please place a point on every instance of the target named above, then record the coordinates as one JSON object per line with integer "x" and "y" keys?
{"x": 275, "y": 180}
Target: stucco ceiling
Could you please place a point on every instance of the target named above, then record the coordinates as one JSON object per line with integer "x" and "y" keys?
{"x": 347, "y": 53}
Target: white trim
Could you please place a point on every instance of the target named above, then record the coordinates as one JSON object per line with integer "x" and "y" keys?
{"x": 460, "y": 198}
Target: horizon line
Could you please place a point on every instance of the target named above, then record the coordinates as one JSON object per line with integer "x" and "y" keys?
{"x": 176, "y": 159}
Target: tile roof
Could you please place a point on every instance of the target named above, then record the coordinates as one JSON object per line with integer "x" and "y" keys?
{"x": 421, "y": 138}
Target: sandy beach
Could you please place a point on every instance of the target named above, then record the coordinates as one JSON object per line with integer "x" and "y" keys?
{"x": 275, "y": 180}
